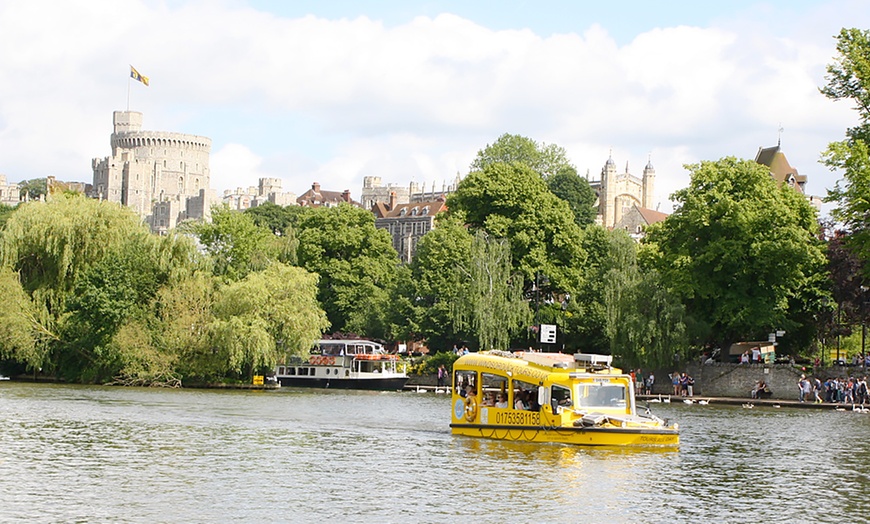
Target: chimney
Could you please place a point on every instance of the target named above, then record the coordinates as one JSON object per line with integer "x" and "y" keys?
{"x": 315, "y": 187}
{"x": 392, "y": 200}
{"x": 346, "y": 195}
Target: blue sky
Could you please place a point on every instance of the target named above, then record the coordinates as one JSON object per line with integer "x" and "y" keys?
{"x": 331, "y": 92}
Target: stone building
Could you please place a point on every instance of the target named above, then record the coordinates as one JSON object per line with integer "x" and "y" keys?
{"x": 10, "y": 194}
{"x": 268, "y": 190}
{"x": 374, "y": 192}
{"x": 637, "y": 219}
{"x": 619, "y": 192}
{"x": 407, "y": 223}
{"x": 163, "y": 176}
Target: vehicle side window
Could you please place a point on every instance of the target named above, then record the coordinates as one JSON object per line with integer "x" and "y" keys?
{"x": 560, "y": 396}
{"x": 462, "y": 379}
{"x": 494, "y": 386}
{"x": 524, "y": 395}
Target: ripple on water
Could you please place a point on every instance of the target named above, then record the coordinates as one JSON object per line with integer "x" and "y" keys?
{"x": 71, "y": 453}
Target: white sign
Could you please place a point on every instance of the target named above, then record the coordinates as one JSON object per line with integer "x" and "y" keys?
{"x": 548, "y": 333}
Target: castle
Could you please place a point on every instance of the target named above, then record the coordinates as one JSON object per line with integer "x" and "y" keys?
{"x": 162, "y": 176}
{"x": 619, "y": 193}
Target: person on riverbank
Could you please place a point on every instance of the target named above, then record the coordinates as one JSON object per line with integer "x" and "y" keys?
{"x": 804, "y": 388}
{"x": 442, "y": 375}
{"x": 675, "y": 382}
{"x": 684, "y": 385}
{"x": 817, "y": 388}
{"x": 650, "y": 382}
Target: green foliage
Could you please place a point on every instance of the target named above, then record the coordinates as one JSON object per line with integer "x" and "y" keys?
{"x": 5, "y": 212}
{"x": 576, "y": 191}
{"x": 33, "y": 189}
{"x": 435, "y": 285}
{"x": 356, "y": 263}
{"x": 546, "y": 160}
{"x": 22, "y": 337}
{"x": 237, "y": 245}
{"x": 512, "y": 201}
{"x": 52, "y": 244}
{"x": 849, "y": 78}
{"x": 429, "y": 364}
{"x": 738, "y": 251}
{"x": 490, "y": 302}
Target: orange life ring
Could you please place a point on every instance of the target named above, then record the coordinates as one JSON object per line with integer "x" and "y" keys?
{"x": 470, "y": 408}
{"x": 330, "y": 361}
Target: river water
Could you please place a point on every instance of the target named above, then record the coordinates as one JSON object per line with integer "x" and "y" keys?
{"x": 107, "y": 454}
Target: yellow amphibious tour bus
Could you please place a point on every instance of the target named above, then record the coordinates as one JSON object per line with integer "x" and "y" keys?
{"x": 551, "y": 397}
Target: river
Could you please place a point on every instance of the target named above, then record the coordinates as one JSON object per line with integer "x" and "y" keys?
{"x": 109, "y": 454}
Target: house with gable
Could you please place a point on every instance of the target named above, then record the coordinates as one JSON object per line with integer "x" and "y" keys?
{"x": 316, "y": 197}
{"x": 407, "y": 223}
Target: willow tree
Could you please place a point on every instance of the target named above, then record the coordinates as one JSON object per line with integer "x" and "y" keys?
{"x": 490, "y": 301}
{"x": 48, "y": 246}
{"x": 265, "y": 316}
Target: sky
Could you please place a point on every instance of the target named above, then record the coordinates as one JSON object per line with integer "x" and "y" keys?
{"x": 330, "y": 92}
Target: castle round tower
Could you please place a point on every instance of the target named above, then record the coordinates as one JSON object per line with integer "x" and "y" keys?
{"x": 152, "y": 167}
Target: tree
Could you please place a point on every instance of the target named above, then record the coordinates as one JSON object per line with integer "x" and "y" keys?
{"x": 490, "y": 302}
{"x": 738, "y": 251}
{"x": 435, "y": 284}
{"x": 266, "y": 314}
{"x": 52, "y": 245}
{"x": 512, "y": 201}
{"x": 356, "y": 263}
{"x": 237, "y": 245}
{"x": 546, "y": 160}
{"x": 576, "y": 191}
{"x": 33, "y": 189}
{"x": 849, "y": 78}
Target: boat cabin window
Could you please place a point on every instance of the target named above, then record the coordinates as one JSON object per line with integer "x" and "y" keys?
{"x": 303, "y": 371}
{"x": 525, "y": 396}
{"x": 600, "y": 395}
{"x": 494, "y": 386}
{"x": 335, "y": 350}
{"x": 462, "y": 379}
{"x": 560, "y": 396}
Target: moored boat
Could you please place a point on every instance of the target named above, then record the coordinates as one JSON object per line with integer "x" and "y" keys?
{"x": 344, "y": 364}
{"x": 551, "y": 397}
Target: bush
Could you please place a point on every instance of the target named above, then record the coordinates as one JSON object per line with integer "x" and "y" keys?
{"x": 429, "y": 365}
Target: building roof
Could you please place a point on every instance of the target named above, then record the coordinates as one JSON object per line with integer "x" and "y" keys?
{"x": 316, "y": 197}
{"x": 780, "y": 169}
{"x": 651, "y": 216}
{"x": 415, "y": 209}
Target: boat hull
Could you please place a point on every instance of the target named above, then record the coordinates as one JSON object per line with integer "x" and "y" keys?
{"x": 376, "y": 384}
{"x": 591, "y": 436}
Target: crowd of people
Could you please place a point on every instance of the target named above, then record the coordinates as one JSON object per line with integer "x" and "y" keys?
{"x": 683, "y": 384}
{"x": 851, "y": 390}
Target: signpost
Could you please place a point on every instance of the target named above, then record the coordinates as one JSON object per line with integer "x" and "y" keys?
{"x": 548, "y": 333}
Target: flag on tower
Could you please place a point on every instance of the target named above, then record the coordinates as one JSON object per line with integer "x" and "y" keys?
{"x": 136, "y": 75}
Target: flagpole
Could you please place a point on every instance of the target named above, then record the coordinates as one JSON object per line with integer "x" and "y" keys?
{"x": 128, "y": 93}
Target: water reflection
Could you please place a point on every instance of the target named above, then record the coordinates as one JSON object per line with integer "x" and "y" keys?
{"x": 72, "y": 453}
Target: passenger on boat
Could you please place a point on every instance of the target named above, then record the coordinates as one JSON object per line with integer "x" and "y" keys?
{"x": 489, "y": 400}
{"x": 522, "y": 400}
{"x": 501, "y": 401}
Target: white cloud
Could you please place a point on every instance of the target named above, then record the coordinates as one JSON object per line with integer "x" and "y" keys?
{"x": 312, "y": 99}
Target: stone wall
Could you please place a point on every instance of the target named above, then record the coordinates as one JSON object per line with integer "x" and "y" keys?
{"x": 736, "y": 380}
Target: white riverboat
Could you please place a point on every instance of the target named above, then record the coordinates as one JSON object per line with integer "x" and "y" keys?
{"x": 344, "y": 364}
